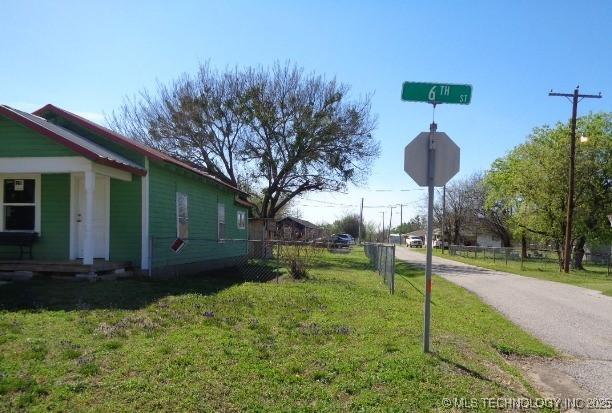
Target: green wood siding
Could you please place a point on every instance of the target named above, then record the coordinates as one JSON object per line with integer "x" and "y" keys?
{"x": 203, "y": 197}
{"x": 100, "y": 140}
{"x": 54, "y": 243}
{"x": 125, "y": 220}
{"x": 17, "y": 140}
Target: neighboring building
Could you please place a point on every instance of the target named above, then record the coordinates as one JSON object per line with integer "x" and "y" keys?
{"x": 290, "y": 228}
{"x": 92, "y": 194}
{"x": 488, "y": 239}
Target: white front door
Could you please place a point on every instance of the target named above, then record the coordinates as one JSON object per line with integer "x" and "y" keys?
{"x": 100, "y": 216}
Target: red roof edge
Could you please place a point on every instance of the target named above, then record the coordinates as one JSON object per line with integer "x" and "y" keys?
{"x": 65, "y": 142}
{"x": 130, "y": 143}
{"x": 244, "y": 202}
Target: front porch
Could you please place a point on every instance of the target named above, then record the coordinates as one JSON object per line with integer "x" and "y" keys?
{"x": 98, "y": 267}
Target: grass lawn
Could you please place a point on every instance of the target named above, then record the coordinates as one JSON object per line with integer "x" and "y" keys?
{"x": 336, "y": 342}
{"x": 593, "y": 277}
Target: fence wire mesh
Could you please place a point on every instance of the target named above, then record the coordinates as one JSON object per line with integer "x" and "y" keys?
{"x": 382, "y": 259}
{"x": 535, "y": 258}
{"x": 251, "y": 260}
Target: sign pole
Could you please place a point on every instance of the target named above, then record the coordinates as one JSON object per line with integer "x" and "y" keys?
{"x": 431, "y": 159}
{"x": 426, "y": 171}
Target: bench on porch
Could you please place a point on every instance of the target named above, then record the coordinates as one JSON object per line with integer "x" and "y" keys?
{"x": 19, "y": 239}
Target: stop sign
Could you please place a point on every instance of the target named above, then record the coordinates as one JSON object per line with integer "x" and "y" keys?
{"x": 446, "y": 158}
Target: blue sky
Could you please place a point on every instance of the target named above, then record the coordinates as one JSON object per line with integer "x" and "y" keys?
{"x": 86, "y": 56}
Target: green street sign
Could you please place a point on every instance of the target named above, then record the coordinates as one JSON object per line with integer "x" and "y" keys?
{"x": 437, "y": 93}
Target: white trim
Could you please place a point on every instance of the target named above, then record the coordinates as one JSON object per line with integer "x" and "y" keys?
{"x": 59, "y": 164}
{"x": 37, "y": 195}
{"x": 88, "y": 242}
{"x": 144, "y": 200}
{"x": 112, "y": 172}
{"x": 52, "y": 164}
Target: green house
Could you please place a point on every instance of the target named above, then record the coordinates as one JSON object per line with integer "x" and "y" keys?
{"x": 95, "y": 197}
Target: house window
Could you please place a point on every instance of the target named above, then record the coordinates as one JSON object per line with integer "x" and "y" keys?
{"x": 241, "y": 219}
{"x": 221, "y": 222}
{"x": 182, "y": 216}
{"x": 20, "y": 204}
{"x": 495, "y": 237}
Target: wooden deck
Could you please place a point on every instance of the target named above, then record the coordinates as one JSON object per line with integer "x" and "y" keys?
{"x": 63, "y": 267}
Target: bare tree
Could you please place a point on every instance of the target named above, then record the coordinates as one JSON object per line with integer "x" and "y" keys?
{"x": 277, "y": 133}
{"x": 305, "y": 136}
{"x": 198, "y": 119}
{"x": 467, "y": 208}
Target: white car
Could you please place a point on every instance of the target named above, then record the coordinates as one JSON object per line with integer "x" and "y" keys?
{"x": 413, "y": 241}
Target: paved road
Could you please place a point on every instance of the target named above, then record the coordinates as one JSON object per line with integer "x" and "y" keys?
{"x": 575, "y": 320}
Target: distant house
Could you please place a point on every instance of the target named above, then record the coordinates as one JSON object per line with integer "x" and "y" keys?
{"x": 95, "y": 197}
{"x": 290, "y": 228}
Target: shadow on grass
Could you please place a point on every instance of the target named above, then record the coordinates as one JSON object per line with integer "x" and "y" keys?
{"x": 132, "y": 293}
{"x": 468, "y": 371}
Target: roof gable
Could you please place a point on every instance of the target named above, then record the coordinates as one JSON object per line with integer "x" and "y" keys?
{"x": 67, "y": 138}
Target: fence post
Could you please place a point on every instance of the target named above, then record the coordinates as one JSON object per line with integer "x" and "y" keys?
{"x": 493, "y": 255}
{"x": 393, "y": 271}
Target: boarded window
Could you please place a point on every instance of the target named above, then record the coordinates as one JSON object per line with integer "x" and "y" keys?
{"x": 241, "y": 219}
{"x": 19, "y": 204}
{"x": 221, "y": 222}
{"x": 182, "y": 216}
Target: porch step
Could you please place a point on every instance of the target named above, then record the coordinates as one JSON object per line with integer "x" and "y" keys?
{"x": 66, "y": 267}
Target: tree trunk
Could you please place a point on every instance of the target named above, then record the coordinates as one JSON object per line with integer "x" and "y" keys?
{"x": 579, "y": 253}
{"x": 506, "y": 240}
{"x": 523, "y": 246}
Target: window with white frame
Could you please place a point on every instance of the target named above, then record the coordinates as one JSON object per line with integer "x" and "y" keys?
{"x": 241, "y": 219}
{"x": 20, "y": 203}
{"x": 182, "y": 216}
{"x": 220, "y": 222}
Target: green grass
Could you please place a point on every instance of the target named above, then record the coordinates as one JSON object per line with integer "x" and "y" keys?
{"x": 594, "y": 277}
{"x": 336, "y": 342}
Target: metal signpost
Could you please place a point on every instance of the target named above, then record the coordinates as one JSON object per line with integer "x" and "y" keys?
{"x": 432, "y": 159}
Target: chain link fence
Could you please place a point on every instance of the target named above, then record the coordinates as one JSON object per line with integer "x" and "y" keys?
{"x": 536, "y": 258}
{"x": 249, "y": 260}
{"x": 382, "y": 259}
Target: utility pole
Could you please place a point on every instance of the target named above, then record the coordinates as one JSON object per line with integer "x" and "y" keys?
{"x": 443, "y": 216}
{"x": 401, "y": 221}
{"x": 390, "y": 219}
{"x": 383, "y": 226}
{"x": 360, "y": 221}
{"x": 567, "y": 243}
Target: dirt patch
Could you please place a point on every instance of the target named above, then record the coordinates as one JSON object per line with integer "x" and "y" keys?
{"x": 551, "y": 381}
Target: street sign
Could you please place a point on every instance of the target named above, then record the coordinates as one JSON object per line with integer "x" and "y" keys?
{"x": 446, "y": 162}
{"x": 437, "y": 93}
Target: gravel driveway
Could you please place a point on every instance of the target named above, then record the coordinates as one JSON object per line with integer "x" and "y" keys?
{"x": 575, "y": 320}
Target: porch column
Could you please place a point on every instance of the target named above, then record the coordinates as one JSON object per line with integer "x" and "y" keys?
{"x": 88, "y": 242}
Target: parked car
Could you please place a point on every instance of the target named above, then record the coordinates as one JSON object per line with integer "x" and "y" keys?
{"x": 349, "y": 237}
{"x": 339, "y": 241}
{"x": 414, "y": 242}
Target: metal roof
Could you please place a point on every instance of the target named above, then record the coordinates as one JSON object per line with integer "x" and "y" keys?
{"x": 130, "y": 143}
